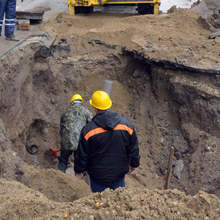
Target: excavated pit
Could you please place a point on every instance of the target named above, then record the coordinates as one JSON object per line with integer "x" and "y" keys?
{"x": 168, "y": 104}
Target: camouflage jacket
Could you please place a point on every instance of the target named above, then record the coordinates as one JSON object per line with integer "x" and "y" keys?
{"x": 71, "y": 124}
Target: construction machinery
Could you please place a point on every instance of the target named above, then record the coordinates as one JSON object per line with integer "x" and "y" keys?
{"x": 87, "y": 6}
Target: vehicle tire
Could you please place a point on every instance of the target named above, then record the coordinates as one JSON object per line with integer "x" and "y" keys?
{"x": 145, "y": 9}
{"x": 83, "y": 10}
{"x": 77, "y": 10}
{"x": 88, "y": 10}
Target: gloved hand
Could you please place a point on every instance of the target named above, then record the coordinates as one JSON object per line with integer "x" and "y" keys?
{"x": 132, "y": 170}
{"x": 80, "y": 175}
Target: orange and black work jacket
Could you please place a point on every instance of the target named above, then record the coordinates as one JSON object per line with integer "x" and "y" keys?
{"x": 108, "y": 146}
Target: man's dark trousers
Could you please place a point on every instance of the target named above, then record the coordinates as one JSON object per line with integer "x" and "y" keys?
{"x": 8, "y": 8}
{"x": 95, "y": 187}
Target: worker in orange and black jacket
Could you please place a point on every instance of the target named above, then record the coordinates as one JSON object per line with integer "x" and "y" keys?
{"x": 108, "y": 147}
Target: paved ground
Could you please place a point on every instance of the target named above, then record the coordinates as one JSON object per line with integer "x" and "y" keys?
{"x": 55, "y": 5}
{"x": 7, "y": 45}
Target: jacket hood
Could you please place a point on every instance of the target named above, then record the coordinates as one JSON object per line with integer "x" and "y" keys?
{"x": 107, "y": 119}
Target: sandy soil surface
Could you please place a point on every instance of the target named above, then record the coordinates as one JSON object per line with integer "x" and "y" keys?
{"x": 121, "y": 204}
{"x": 159, "y": 40}
{"x": 180, "y": 37}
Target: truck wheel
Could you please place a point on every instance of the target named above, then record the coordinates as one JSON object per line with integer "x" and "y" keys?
{"x": 83, "y": 10}
{"x": 88, "y": 10}
{"x": 77, "y": 9}
{"x": 145, "y": 9}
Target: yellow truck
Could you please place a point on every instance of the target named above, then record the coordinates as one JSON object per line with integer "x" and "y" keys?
{"x": 86, "y": 6}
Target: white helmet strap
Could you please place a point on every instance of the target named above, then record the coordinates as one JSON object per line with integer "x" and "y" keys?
{"x": 77, "y": 101}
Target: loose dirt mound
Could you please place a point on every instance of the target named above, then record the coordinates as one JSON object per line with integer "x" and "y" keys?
{"x": 181, "y": 37}
{"x": 109, "y": 205}
{"x": 52, "y": 183}
{"x": 55, "y": 185}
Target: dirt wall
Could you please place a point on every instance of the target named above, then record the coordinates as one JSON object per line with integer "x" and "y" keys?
{"x": 167, "y": 106}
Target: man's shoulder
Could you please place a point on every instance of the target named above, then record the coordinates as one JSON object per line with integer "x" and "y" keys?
{"x": 125, "y": 121}
{"x": 75, "y": 109}
{"x": 88, "y": 127}
{"x": 85, "y": 109}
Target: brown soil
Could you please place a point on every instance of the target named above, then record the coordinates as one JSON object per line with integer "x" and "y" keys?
{"x": 167, "y": 105}
{"x": 180, "y": 37}
{"x": 127, "y": 203}
{"x": 55, "y": 185}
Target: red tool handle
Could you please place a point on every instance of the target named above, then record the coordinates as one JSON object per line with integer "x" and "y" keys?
{"x": 54, "y": 152}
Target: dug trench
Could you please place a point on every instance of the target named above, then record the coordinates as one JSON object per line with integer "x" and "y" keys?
{"x": 169, "y": 106}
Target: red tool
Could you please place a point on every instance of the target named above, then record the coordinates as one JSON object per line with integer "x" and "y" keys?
{"x": 54, "y": 152}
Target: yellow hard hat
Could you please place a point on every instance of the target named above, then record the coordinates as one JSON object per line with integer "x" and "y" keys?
{"x": 76, "y": 97}
{"x": 101, "y": 100}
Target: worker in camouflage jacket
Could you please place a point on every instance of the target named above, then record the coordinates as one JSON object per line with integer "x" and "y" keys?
{"x": 71, "y": 124}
